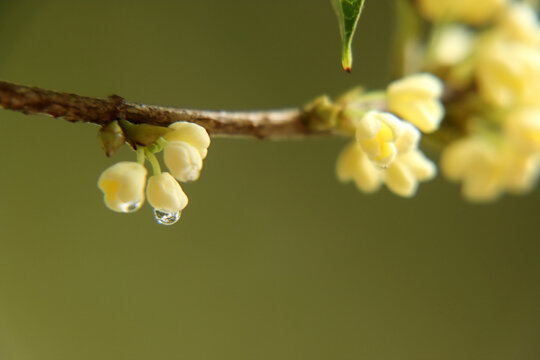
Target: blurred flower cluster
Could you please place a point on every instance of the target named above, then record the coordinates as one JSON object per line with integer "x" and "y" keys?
{"x": 471, "y": 85}
{"x": 184, "y": 145}
{"x": 385, "y": 149}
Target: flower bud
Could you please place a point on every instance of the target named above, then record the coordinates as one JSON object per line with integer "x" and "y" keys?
{"x": 454, "y": 45}
{"x": 382, "y": 136}
{"x": 183, "y": 160}
{"x": 508, "y": 73}
{"x": 165, "y": 194}
{"x": 123, "y": 186}
{"x": 191, "y": 133}
{"x": 376, "y": 132}
{"x": 415, "y": 98}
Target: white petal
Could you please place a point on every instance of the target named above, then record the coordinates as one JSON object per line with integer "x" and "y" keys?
{"x": 369, "y": 125}
{"x": 183, "y": 160}
{"x": 348, "y": 162}
{"x": 368, "y": 177}
{"x": 409, "y": 139}
{"x": 401, "y": 180}
{"x": 420, "y": 166}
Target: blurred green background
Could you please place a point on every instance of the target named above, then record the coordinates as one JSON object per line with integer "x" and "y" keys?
{"x": 273, "y": 258}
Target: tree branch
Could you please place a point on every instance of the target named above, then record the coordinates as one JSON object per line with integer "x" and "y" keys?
{"x": 76, "y": 108}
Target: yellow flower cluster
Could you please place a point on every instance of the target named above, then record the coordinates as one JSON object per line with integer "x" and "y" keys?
{"x": 488, "y": 168}
{"x": 386, "y": 146}
{"x": 123, "y": 184}
{"x": 502, "y": 149}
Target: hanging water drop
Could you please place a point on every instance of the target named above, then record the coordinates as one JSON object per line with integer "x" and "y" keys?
{"x": 167, "y": 218}
{"x": 130, "y": 207}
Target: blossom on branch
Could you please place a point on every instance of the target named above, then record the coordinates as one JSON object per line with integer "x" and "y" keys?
{"x": 123, "y": 186}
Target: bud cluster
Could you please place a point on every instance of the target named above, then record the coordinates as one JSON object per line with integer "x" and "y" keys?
{"x": 124, "y": 184}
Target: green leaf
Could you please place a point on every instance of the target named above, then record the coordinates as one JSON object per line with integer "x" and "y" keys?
{"x": 348, "y": 13}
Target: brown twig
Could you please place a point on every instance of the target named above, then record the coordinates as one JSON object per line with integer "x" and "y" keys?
{"x": 76, "y": 108}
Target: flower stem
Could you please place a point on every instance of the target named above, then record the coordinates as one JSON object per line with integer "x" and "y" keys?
{"x": 156, "y": 169}
{"x": 140, "y": 155}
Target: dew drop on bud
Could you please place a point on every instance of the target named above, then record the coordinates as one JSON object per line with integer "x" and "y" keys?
{"x": 130, "y": 206}
{"x": 167, "y": 218}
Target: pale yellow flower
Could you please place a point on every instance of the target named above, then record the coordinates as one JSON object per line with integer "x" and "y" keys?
{"x": 183, "y": 160}
{"x": 165, "y": 194}
{"x": 522, "y": 127}
{"x": 487, "y": 168}
{"x": 191, "y": 133}
{"x": 353, "y": 164}
{"x": 415, "y": 98}
{"x": 508, "y": 72}
{"x": 474, "y": 12}
{"x": 383, "y": 136}
{"x": 402, "y": 176}
{"x": 123, "y": 186}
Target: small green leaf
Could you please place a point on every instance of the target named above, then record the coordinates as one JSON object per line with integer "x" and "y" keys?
{"x": 348, "y": 13}
{"x": 142, "y": 134}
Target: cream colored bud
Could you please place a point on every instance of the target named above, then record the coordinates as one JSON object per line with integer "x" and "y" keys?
{"x": 183, "y": 160}
{"x": 508, "y": 73}
{"x": 415, "y": 98}
{"x": 474, "y": 12}
{"x": 193, "y": 134}
{"x": 474, "y": 161}
{"x": 353, "y": 164}
{"x": 522, "y": 127}
{"x": 123, "y": 186}
{"x": 377, "y": 133}
{"x": 165, "y": 194}
{"x": 458, "y": 157}
{"x": 454, "y": 45}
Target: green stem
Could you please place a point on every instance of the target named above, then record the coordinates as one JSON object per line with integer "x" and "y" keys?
{"x": 140, "y": 155}
{"x": 156, "y": 169}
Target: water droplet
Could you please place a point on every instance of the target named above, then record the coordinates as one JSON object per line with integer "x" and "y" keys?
{"x": 130, "y": 207}
{"x": 167, "y": 218}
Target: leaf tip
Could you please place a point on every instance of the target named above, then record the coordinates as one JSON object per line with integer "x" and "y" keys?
{"x": 347, "y": 69}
